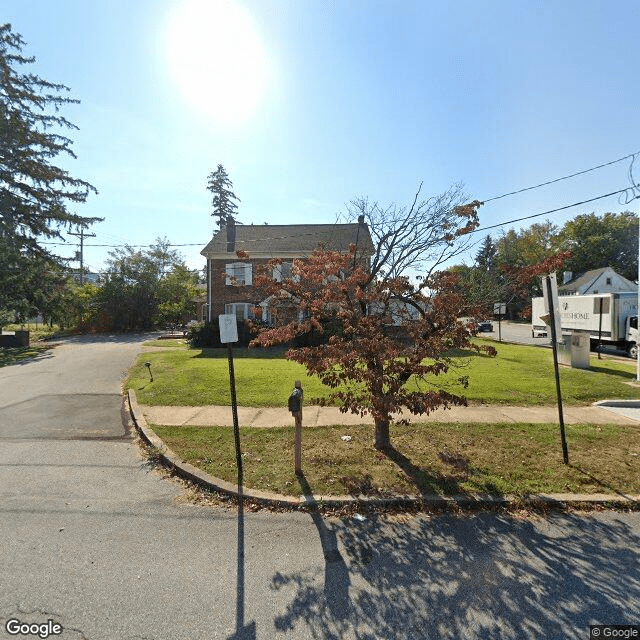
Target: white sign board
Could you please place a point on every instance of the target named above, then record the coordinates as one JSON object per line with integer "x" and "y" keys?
{"x": 228, "y": 328}
{"x": 554, "y": 302}
{"x": 499, "y": 308}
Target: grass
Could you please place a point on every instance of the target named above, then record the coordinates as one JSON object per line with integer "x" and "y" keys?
{"x": 167, "y": 342}
{"x": 37, "y": 331}
{"x": 442, "y": 459}
{"x": 16, "y": 355}
{"x": 194, "y": 377}
{"x": 519, "y": 375}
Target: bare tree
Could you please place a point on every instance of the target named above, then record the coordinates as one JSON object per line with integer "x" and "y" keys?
{"x": 420, "y": 238}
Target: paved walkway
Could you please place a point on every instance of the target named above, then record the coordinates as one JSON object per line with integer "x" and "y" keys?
{"x": 606, "y": 412}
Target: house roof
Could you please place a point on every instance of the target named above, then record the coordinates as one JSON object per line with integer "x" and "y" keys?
{"x": 589, "y": 277}
{"x": 296, "y": 238}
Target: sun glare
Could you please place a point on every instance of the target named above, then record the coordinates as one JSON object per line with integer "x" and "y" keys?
{"x": 216, "y": 58}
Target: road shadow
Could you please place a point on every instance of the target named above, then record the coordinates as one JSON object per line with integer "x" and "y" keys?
{"x": 110, "y": 338}
{"x": 334, "y": 600}
{"x": 487, "y": 575}
{"x": 243, "y": 631}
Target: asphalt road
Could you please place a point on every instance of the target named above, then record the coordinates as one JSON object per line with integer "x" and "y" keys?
{"x": 97, "y": 541}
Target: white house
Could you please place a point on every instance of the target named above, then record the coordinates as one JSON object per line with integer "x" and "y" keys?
{"x": 604, "y": 280}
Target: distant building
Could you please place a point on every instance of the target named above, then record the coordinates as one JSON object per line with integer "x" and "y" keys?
{"x": 604, "y": 280}
{"x": 87, "y": 276}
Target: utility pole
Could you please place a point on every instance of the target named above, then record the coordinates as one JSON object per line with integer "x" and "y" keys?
{"x": 82, "y": 236}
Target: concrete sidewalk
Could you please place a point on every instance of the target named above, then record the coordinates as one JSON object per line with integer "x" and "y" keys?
{"x": 604, "y": 412}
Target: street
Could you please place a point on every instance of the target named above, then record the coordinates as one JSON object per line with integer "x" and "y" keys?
{"x": 101, "y": 543}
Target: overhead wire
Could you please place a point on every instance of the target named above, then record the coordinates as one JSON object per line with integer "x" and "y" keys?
{"x": 631, "y": 193}
{"x": 573, "y": 175}
{"x": 545, "y": 213}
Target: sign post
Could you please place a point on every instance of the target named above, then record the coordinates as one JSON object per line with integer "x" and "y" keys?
{"x": 229, "y": 334}
{"x": 550, "y": 290}
{"x": 499, "y": 308}
{"x": 295, "y": 406}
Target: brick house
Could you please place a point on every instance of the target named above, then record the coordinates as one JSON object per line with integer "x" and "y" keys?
{"x": 230, "y": 280}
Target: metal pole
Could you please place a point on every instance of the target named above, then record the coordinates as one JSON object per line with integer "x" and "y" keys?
{"x": 600, "y": 331}
{"x": 297, "y": 455}
{"x": 554, "y": 344}
{"x": 234, "y": 410}
{"x": 298, "y": 443}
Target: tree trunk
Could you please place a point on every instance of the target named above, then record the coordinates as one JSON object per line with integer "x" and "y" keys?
{"x": 382, "y": 440}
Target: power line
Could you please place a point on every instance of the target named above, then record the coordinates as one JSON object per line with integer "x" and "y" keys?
{"x": 544, "y": 213}
{"x": 634, "y": 187}
{"x": 573, "y": 175}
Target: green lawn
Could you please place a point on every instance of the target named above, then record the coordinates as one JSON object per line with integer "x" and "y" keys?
{"x": 37, "y": 331}
{"x": 519, "y": 375}
{"x": 18, "y": 354}
{"x": 427, "y": 459}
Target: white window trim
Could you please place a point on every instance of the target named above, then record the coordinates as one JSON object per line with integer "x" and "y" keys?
{"x": 233, "y": 307}
{"x": 277, "y": 272}
{"x": 233, "y": 270}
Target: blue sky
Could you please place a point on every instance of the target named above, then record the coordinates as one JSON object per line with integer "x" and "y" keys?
{"x": 336, "y": 100}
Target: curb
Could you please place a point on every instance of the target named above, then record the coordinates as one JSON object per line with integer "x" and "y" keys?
{"x": 623, "y": 404}
{"x": 477, "y": 501}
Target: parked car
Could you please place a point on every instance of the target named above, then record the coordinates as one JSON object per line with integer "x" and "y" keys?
{"x": 485, "y": 326}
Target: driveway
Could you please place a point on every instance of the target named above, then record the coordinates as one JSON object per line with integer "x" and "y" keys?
{"x": 98, "y": 542}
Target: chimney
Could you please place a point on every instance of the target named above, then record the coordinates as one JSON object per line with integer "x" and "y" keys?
{"x": 361, "y": 219}
{"x": 566, "y": 277}
{"x": 231, "y": 234}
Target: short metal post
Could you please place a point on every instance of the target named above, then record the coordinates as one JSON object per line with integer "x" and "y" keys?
{"x": 297, "y": 454}
{"x": 298, "y": 442}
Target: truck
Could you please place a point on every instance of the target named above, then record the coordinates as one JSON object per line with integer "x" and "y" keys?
{"x": 609, "y": 318}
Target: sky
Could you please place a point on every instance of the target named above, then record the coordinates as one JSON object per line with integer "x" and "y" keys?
{"x": 309, "y": 104}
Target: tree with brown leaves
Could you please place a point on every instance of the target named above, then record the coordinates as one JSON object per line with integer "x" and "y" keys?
{"x": 392, "y": 338}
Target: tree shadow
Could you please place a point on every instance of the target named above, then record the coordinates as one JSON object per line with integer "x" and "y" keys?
{"x": 428, "y": 482}
{"x": 241, "y": 352}
{"x": 487, "y": 575}
{"x": 467, "y": 353}
{"x": 627, "y": 375}
{"x": 598, "y": 481}
{"x": 24, "y": 355}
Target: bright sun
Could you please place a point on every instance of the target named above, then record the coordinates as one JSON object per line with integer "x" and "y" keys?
{"x": 216, "y": 58}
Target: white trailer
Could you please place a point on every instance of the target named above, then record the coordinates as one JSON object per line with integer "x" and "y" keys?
{"x": 611, "y": 318}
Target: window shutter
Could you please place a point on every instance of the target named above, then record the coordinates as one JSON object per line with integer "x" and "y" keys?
{"x": 247, "y": 273}
{"x": 228, "y": 268}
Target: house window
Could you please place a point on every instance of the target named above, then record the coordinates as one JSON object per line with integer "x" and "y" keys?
{"x": 608, "y": 280}
{"x": 238, "y": 273}
{"x": 241, "y": 310}
{"x": 282, "y": 271}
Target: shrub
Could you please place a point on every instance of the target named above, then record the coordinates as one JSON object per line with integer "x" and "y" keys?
{"x": 207, "y": 335}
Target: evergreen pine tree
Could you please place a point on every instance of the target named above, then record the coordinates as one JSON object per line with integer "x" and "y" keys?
{"x": 34, "y": 192}
{"x": 486, "y": 256}
{"x": 223, "y": 197}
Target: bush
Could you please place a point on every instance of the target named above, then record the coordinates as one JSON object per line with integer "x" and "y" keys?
{"x": 207, "y": 335}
